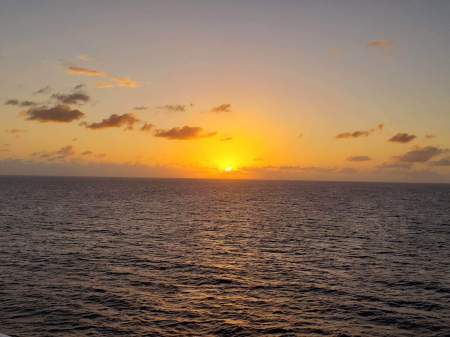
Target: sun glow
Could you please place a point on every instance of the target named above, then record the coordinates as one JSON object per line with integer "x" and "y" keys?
{"x": 228, "y": 169}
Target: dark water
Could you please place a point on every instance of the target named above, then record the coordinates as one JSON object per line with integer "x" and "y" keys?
{"x": 135, "y": 257}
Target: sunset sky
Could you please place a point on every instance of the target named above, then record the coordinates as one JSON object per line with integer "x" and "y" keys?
{"x": 323, "y": 90}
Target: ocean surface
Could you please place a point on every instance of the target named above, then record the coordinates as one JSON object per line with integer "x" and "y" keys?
{"x": 147, "y": 257}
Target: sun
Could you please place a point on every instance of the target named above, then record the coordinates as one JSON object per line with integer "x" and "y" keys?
{"x": 228, "y": 169}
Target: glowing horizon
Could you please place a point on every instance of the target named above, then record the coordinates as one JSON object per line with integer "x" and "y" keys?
{"x": 257, "y": 90}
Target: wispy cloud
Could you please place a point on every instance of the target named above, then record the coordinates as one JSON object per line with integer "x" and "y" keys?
{"x": 359, "y": 133}
{"x": 441, "y": 162}
{"x": 173, "y": 107}
{"x": 127, "y": 120}
{"x": 15, "y": 132}
{"x": 110, "y": 80}
{"x": 81, "y": 71}
{"x": 184, "y": 133}
{"x": 395, "y": 165}
{"x": 43, "y": 91}
{"x": 16, "y": 102}
{"x": 142, "y": 107}
{"x": 61, "y": 154}
{"x": 402, "y": 138}
{"x": 72, "y": 98}
{"x": 381, "y": 43}
{"x": 359, "y": 158}
{"x": 58, "y": 113}
{"x": 429, "y": 136}
{"x": 119, "y": 82}
{"x": 221, "y": 108}
{"x": 147, "y": 127}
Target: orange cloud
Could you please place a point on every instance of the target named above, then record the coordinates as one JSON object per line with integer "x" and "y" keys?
{"x": 380, "y": 43}
{"x": 80, "y": 71}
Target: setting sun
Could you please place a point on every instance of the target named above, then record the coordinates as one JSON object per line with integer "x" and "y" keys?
{"x": 228, "y": 169}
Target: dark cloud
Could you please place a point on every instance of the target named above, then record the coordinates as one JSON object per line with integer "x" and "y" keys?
{"x": 402, "y": 138}
{"x": 354, "y": 134}
{"x": 87, "y": 153}
{"x": 421, "y": 155}
{"x": 58, "y": 113}
{"x": 127, "y": 120}
{"x": 173, "y": 107}
{"x": 441, "y": 162}
{"x": 147, "y": 127}
{"x": 221, "y": 108}
{"x": 16, "y": 102}
{"x": 359, "y": 158}
{"x": 360, "y": 133}
{"x": 73, "y": 98}
{"x": 43, "y": 91}
{"x": 140, "y": 107}
{"x": 380, "y": 44}
{"x": 184, "y": 133}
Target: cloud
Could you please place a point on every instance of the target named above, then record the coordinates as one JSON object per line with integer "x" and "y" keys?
{"x": 140, "y": 107}
{"x": 361, "y": 133}
{"x": 380, "y": 44}
{"x": 111, "y": 81}
{"x": 395, "y": 165}
{"x": 86, "y": 153}
{"x": 16, "y": 102}
{"x": 147, "y": 127}
{"x": 184, "y": 133}
{"x": 43, "y": 91}
{"x": 441, "y": 162}
{"x": 59, "y": 113}
{"x": 114, "y": 121}
{"x": 359, "y": 158}
{"x": 429, "y": 136}
{"x": 73, "y": 98}
{"x": 354, "y": 134}
{"x": 173, "y": 107}
{"x": 119, "y": 82}
{"x": 15, "y": 131}
{"x": 421, "y": 155}
{"x": 226, "y": 139}
{"x": 61, "y": 154}
{"x": 125, "y": 82}
{"x": 221, "y": 108}
{"x": 402, "y": 138}
{"x": 80, "y": 71}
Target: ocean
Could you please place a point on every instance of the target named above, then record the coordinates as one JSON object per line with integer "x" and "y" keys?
{"x": 153, "y": 257}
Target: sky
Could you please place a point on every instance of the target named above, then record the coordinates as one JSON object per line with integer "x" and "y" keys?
{"x": 350, "y": 90}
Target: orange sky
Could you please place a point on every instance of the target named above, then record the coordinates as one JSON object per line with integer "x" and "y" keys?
{"x": 253, "y": 90}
